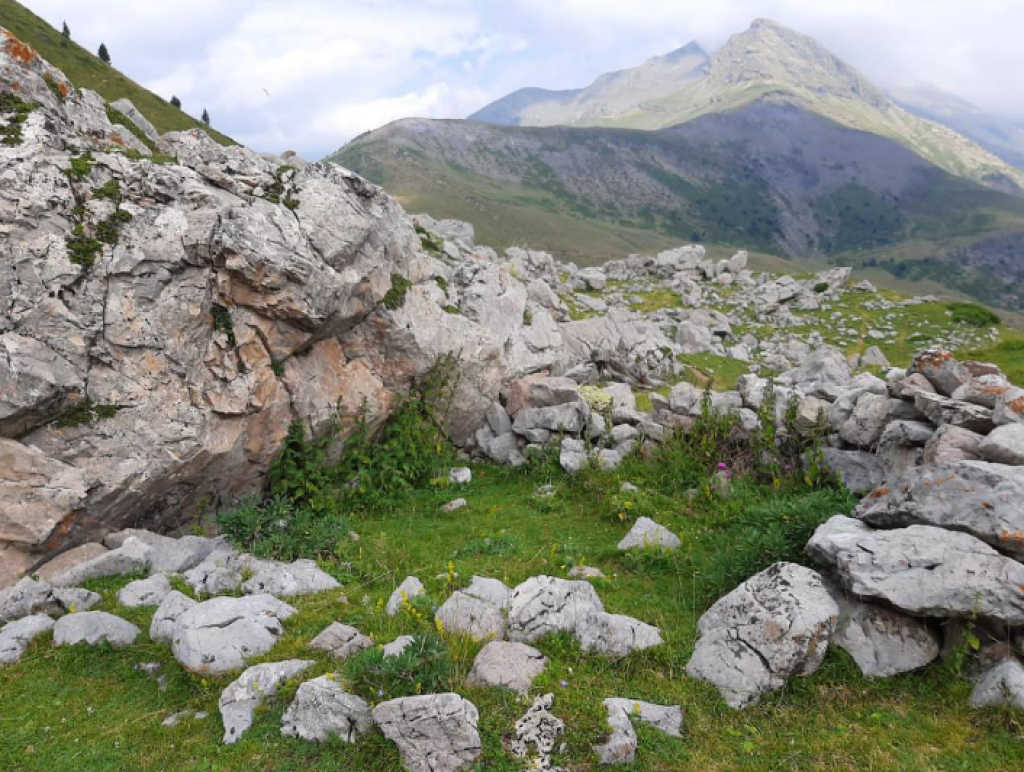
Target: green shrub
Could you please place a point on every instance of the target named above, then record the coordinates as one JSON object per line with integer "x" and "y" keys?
{"x": 278, "y": 528}
{"x": 433, "y": 245}
{"x": 110, "y": 190}
{"x": 222, "y": 321}
{"x": 395, "y": 297}
{"x": 499, "y": 546}
{"x": 15, "y": 112}
{"x": 81, "y": 166}
{"x": 82, "y": 249}
{"x": 425, "y": 667}
{"x": 821, "y": 286}
{"x": 85, "y": 412}
{"x": 108, "y": 230}
{"x": 973, "y": 314}
{"x": 301, "y": 472}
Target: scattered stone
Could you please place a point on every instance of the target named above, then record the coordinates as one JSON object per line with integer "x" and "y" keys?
{"x": 131, "y": 556}
{"x": 15, "y": 637}
{"x": 586, "y": 572}
{"x": 145, "y": 592}
{"x": 433, "y": 732}
{"x": 1001, "y": 686}
{"x": 508, "y": 665}
{"x": 65, "y": 561}
{"x": 537, "y": 734}
{"x": 270, "y": 577}
{"x": 176, "y": 718}
{"x": 94, "y": 627}
{"x": 922, "y": 570}
{"x": 546, "y": 604}
{"x": 240, "y": 699}
{"x": 460, "y": 475}
{"x": 775, "y": 625}
{"x": 621, "y": 745}
{"x": 341, "y": 641}
{"x": 398, "y": 646}
{"x": 166, "y": 615}
{"x": 322, "y": 709}
{"x": 406, "y": 591}
{"x": 29, "y": 597}
{"x": 494, "y": 591}
{"x": 219, "y": 635}
{"x": 647, "y": 534}
{"x": 451, "y": 506}
{"x": 614, "y": 635}
{"x": 467, "y": 615}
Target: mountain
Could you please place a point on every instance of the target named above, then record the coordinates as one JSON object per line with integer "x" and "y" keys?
{"x": 1001, "y": 136}
{"x": 770, "y": 175}
{"x": 771, "y": 59}
{"x": 85, "y": 70}
{"x": 610, "y": 95}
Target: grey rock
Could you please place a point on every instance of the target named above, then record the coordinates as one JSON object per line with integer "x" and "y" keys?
{"x": 397, "y": 646}
{"x": 502, "y": 447}
{"x": 570, "y": 417}
{"x": 322, "y": 709}
{"x": 546, "y": 604}
{"x": 913, "y": 384}
{"x": 536, "y": 735}
{"x": 498, "y": 419}
{"x": 493, "y": 591}
{"x": 860, "y": 472}
{"x": 942, "y": 369}
{"x": 608, "y": 459}
{"x": 621, "y": 745}
{"x": 922, "y": 570}
{"x": 239, "y": 701}
{"x": 454, "y": 504}
{"x": 219, "y": 572}
{"x": 1009, "y": 407}
{"x": 615, "y": 636}
{"x": 873, "y": 357}
{"x": 984, "y": 390}
{"x": 825, "y": 374}
{"x": 300, "y": 577}
{"x": 408, "y": 589}
{"x": 466, "y": 615}
{"x": 29, "y": 597}
{"x": 883, "y": 642}
{"x": 1001, "y": 686}
{"x": 460, "y": 475}
{"x": 132, "y": 113}
{"x": 540, "y": 391}
{"x": 1005, "y": 445}
{"x": 508, "y": 665}
{"x": 950, "y": 444}
{"x": 131, "y": 556}
{"x": 67, "y": 560}
{"x": 775, "y": 625}
{"x": 166, "y": 615}
{"x": 341, "y": 641}
{"x": 865, "y": 426}
{"x": 976, "y": 497}
{"x": 572, "y": 455}
{"x": 647, "y": 534}
{"x": 433, "y": 732}
{"x": 94, "y": 627}
{"x": 943, "y": 411}
{"x": 145, "y": 592}
{"x": 219, "y": 635}
{"x": 585, "y": 572}
{"x": 168, "y": 554}
{"x": 17, "y": 636}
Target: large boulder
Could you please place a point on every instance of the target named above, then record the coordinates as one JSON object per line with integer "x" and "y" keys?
{"x": 775, "y": 625}
{"x": 433, "y": 732}
{"x": 858, "y": 470}
{"x": 546, "y": 604}
{"x": 1000, "y": 686}
{"x": 982, "y": 499}
{"x": 922, "y": 570}
{"x": 323, "y": 709}
{"x": 464, "y": 614}
{"x": 93, "y": 628}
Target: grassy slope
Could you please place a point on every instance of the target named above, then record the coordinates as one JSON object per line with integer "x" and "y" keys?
{"x": 88, "y": 709}
{"x": 85, "y": 70}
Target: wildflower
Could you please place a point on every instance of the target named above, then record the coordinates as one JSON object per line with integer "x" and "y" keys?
{"x": 380, "y": 693}
{"x": 565, "y": 684}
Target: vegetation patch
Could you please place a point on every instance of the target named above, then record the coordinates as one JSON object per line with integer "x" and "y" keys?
{"x": 222, "y": 321}
{"x": 115, "y": 116}
{"x": 973, "y": 314}
{"x": 84, "y": 413}
{"x": 394, "y": 298}
{"x": 14, "y": 111}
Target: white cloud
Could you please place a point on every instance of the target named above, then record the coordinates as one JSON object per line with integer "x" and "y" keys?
{"x": 310, "y": 74}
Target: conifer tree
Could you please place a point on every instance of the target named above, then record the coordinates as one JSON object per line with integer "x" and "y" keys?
{"x": 206, "y": 117}
{"x": 103, "y": 53}
{"x": 66, "y": 32}
{"x": 176, "y": 102}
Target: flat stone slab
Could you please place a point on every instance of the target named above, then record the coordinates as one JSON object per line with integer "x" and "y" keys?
{"x": 323, "y": 709}
{"x": 219, "y": 635}
{"x": 621, "y": 745}
{"x": 433, "y": 732}
{"x": 145, "y": 592}
{"x": 507, "y": 665}
{"x": 131, "y": 556}
{"x": 238, "y": 702}
{"x": 93, "y": 628}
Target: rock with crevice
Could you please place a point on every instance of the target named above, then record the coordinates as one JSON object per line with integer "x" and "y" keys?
{"x": 547, "y": 604}
{"x": 29, "y": 597}
{"x": 433, "y": 732}
{"x": 621, "y": 745}
{"x": 145, "y": 592}
{"x": 537, "y": 733}
{"x": 323, "y": 709}
{"x": 240, "y": 699}
{"x": 165, "y": 617}
{"x": 341, "y": 641}
{"x": 775, "y": 625}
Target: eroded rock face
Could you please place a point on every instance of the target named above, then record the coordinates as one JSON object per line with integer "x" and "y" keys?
{"x": 775, "y": 625}
{"x": 546, "y": 604}
{"x": 433, "y": 732}
{"x": 322, "y": 709}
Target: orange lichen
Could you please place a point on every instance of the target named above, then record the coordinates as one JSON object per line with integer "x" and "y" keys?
{"x": 878, "y": 493}
{"x": 19, "y": 51}
{"x": 1014, "y": 537}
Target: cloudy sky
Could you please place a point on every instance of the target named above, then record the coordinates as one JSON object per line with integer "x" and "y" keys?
{"x": 310, "y": 74}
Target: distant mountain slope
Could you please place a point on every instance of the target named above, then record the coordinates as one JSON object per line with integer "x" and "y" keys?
{"x": 87, "y": 71}
{"x": 608, "y": 96}
{"x": 770, "y": 176}
{"x": 1004, "y": 138}
{"x": 771, "y": 59}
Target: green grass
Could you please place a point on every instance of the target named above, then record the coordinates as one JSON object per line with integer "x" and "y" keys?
{"x": 88, "y": 709}
{"x": 85, "y": 70}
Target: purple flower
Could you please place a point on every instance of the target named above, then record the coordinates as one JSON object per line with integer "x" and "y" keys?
{"x": 380, "y": 692}
{"x": 722, "y": 465}
{"x": 565, "y": 684}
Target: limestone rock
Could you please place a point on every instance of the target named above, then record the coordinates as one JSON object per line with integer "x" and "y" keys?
{"x": 94, "y": 627}
{"x": 775, "y": 625}
{"x": 341, "y": 641}
{"x": 238, "y": 702}
{"x": 322, "y": 709}
{"x": 145, "y": 592}
{"x": 537, "y": 733}
{"x": 1001, "y": 686}
{"x": 131, "y": 556}
{"x": 433, "y": 732}
{"x": 398, "y": 646}
{"x": 858, "y": 470}
{"x": 508, "y": 665}
{"x": 944, "y": 411}
{"x": 950, "y": 444}
{"x": 167, "y": 554}
{"x": 614, "y": 635}
{"x": 218, "y": 635}
{"x": 407, "y": 590}
{"x": 494, "y": 591}
{"x": 1009, "y": 407}
{"x": 29, "y": 597}
{"x": 464, "y": 614}
{"x": 15, "y": 637}
{"x": 922, "y": 570}
{"x": 621, "y": 745}
{"x": 165, "y": 617}
{"x": 1005, "y": 445}
{"x": 647, "y": 534}
{"x": 942, "y": 369}
{"x": 65, "y": 561}
{"x": 546, "y": 604}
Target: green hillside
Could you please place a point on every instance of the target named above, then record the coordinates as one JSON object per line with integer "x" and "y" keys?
{"x": 85, "y": 70}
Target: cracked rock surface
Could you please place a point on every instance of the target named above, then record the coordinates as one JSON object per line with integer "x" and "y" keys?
{"x": 323, "y": 709}
{"x": 621, "y": 745}
{"x": 238, "y": 702}
{"x": 341, "y": 641}
{"x": 433, "y": 732}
